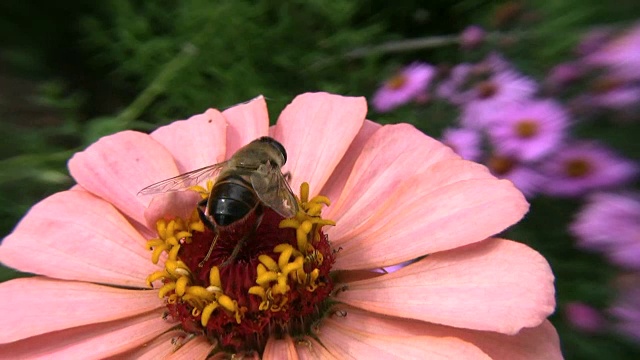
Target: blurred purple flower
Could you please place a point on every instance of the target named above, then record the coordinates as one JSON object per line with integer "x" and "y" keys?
{"x": 563, "y": 74}
{"x": 582, "y": 166}
{"x": 404, "y": 87}
{"x": 593, "y": 40}
{"x": 472, "y": 36}
{"x": 614, "y": 93}
{"x": 626, "y": 308}
{"x": 465, "y": 142}
{"x": 502, "y": 87}
{"x": 522, "y": 176}
{"x": 451, "y": 88}
{"x": 620, "y": 55}
{"x": 584, "y": 317}
{"x": 492, "y": 81}
{"x": 610, "y": 223}
{"x": 527, "y": 130}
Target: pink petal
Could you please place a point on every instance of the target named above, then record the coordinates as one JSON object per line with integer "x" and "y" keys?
{"x": 454, "y": 216}
{"x": 280, "y": 349}
{"x": 90, "y": 341}
{"x": 246, "y": 122}
{"x": 529, "y": 344}
{"x": 198, "y": 348}
{"x": 316, "y": 129}
{"x": 338, "y": 178}
{"x": 157, "y": 348}
{"x": 540, "y": 342}
{"x": 118, "y": 166}
{"x": 170, "y": 205}
{"x": 391, "y": 154}
{"x": 495, "y": 285}
{"x": 196, "y": 142}
{"x": 398, "y": 205}
{"x": 309, "y": 349}
{"x": 347, "y": 342}
{"x": 74, "y": 235}
{"x": 43, "y": 305}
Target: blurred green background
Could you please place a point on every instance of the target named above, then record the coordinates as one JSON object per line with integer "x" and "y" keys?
{"x": 73, "y": 71}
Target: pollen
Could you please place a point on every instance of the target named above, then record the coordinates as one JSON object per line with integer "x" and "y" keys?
{"x": 278, "y": 283}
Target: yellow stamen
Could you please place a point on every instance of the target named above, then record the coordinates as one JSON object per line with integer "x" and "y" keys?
{"x": 227, "y": 303}
{"x": 304, "y": 192}
{"x": 266, "y": 278}
{"x": 165, "y": 289}
{"x": 268, "y": 262}
{"x": 206, "y": 313}
{"x": 214, "y": 277}
{"x": 157, "y": 275}
{"x": 181, "y": 285}
{"x": 284, "y": 257}
{"x": 173, "y": 253}
{"x": 153, "y": 243}
{"x": 157, "y": 252}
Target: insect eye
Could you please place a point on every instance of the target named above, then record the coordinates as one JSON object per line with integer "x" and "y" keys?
{"x": 273, "y": 142}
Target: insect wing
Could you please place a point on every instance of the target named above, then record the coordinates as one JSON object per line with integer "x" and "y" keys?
{"x": 183, "y": 181}
{"x": 274, "y": 191}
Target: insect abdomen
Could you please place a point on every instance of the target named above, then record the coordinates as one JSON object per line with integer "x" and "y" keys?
{"x": 231, "y": 199}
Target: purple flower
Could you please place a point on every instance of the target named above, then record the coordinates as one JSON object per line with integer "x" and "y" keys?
{"x": 563, "y": 74}
{"x": 610, "y": 223}
{"x": 593, "y": 40}
{"x": 525, "y": 178}
{"x": 621, "y": 55}
{"x": 582, "y": 166}
{"x": 506, "y": 87}
{"x": 502, "y": 87}
{"x": 613, "y": 92}
{"x": 527, "y": 130}
{"x": 626, "y": 308}
{"x": 472, "y": 36}
{"x": 489, "y": 82}
{"x": 584, "y": 317}
{"x": 409, "y": 83}
{"x": 465, "y": 142}
{"x": 451, "y": 89}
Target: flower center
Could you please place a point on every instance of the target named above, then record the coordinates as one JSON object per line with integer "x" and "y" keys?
{"x": 486, "y": 89}
{"x": 277, "y": 284}
{"x": 577, "y": 168}
{"x": 527, "y": 128}
{"x": 604, "y": 85}
{"x": 500, "y": 165}
{"x": 397, "y": 82}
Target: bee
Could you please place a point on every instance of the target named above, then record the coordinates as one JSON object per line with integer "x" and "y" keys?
{"x": 250, "y": 180}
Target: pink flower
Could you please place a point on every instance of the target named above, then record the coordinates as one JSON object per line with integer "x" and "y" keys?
{"x": 397, "y": 195}
{"x": 410, "y": 83}
{"x": 610, "y": 223}
{"x": 528, "y": 130}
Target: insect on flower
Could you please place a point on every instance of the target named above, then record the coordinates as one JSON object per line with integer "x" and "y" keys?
{"x": 249, "y": 180}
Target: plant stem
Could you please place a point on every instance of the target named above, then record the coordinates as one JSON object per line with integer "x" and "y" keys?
{"x": 158, "y": 85}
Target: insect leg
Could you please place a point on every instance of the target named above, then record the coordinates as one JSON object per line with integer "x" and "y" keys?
{"x": 211, "y": 225}
{"x": 259, "y": 213}
{"x": 213, "y": 244}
